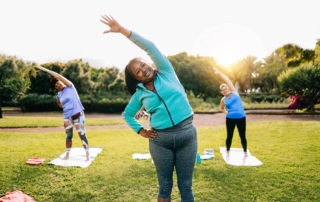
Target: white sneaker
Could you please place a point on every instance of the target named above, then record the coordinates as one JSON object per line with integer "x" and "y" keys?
{"x": 227, "y": 154}
{"x": 246, "y": 155}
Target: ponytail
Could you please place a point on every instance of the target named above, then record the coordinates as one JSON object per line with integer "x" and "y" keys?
{"x": 131, "y": 81}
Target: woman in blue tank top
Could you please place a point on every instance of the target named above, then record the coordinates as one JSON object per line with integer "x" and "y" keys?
{"x": 231, "y": 105}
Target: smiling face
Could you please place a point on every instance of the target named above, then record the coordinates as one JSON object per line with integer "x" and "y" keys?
{"x": 224, "y": 89}
{"x": 141, "y": 70}
{"x": 59, "y": 86}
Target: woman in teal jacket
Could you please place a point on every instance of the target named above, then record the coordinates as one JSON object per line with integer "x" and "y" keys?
{"x": 172, "y": 136}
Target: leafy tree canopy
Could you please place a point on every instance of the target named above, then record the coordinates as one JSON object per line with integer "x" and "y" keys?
{"x": 304, "y": 82}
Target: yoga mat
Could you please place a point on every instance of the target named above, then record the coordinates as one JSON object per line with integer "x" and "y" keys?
{"x": 236, "y": 157}
{"x": 140, "y": 156}
{"x": 77, "y": 157}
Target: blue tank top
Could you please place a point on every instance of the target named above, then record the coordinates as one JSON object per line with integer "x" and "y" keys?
{"x": 234, "y": 106}
{"x": 70, "y": 101}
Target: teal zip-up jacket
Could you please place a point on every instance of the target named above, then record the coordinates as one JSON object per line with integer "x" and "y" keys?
{"x": 168, "y": 105}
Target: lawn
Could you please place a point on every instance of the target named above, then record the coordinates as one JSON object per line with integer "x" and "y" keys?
{"x": 49, "y": 121}
{"x": 289, "y": 151}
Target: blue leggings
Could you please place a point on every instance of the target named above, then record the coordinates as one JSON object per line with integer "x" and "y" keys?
{"x": 175, "y": 147}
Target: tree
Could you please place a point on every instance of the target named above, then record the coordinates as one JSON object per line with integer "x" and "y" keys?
{"x": 94, "y": 73}
{"x": 242, "y": 72}
{"x": 105, "y": 78}
{"x": 78, "y": 73}
{"x": 317, "y": 53}
{"x": 22, "y": 80}
{"x": 308, "y": 56}
{"x": 118, "y": 87}
{"x": 304, "y": 82}
{"x": 14, "y": 80}
{"x": 8, "y": 69}
{"x": 283, "y": 58}
{"x": 294, "y": 56}
{"x": 40, "y": 82}
{"x": 195, "y": 74}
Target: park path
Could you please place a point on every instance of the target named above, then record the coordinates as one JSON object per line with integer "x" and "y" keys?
{"x": 214, "y": 119}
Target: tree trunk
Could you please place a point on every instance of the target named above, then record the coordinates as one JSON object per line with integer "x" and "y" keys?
{"x": 312, "y": 106}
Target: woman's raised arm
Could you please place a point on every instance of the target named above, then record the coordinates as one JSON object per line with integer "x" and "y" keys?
{"x": 61, "y": 78}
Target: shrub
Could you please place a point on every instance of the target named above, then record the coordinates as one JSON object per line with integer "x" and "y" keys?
{"x": 35, "y": 102}
{"x": 110, "y": 105}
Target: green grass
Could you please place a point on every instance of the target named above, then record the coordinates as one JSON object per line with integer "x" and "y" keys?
{"x": 290, "y": 152}
{"x": 43, "y": 121}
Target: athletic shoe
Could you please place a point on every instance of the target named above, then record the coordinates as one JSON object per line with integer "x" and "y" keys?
{"x": 246, "y": 155}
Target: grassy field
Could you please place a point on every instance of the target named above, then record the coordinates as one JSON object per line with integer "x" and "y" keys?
{"x": 42, "y": 121}
{"x": 289, "y": 151}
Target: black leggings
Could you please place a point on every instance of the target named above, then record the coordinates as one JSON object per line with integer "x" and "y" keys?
{"x": 241, "y": 125}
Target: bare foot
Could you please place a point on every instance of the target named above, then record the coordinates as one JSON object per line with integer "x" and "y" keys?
{"x": 87, "y": 155}
{"x": 66, "y": 157}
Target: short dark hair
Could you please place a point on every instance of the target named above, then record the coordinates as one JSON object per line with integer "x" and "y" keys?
{"x": 53, "y": 82}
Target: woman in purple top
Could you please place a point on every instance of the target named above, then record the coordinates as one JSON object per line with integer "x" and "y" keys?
{"x": 73, "y": 115}
{"x": 231, "y": 105}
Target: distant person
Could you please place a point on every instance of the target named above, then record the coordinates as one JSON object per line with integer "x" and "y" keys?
{"x": 172, "y": 136}
{"x": 73, "y": 114}
{"x": 231, "y": 105}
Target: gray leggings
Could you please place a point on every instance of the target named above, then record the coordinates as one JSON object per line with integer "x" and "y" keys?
{"x": 175, "y": 147}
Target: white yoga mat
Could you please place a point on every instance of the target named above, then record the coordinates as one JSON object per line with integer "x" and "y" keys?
{"x": 206, "y": 157}
{"x": 140, "y": 156}
{"x": 77, "y": 157}
{"x": 236, "y": 157}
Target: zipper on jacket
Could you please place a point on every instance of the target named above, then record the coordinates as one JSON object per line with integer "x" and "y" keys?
{"x": 155, "y": 91}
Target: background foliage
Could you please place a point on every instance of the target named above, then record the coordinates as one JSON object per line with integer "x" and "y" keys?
{"x": 103, "y": 88}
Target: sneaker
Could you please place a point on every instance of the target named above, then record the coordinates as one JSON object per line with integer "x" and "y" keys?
{"x": 246, "y": 155}
{"x": 227, "y": 154}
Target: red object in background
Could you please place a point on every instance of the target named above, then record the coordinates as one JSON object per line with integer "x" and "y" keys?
{"x": 16, "y": 196}
{"x": 296, "y": 103}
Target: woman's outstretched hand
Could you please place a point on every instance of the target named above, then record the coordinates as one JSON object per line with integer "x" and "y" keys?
{"x": 216, "y": 70}
{"x": 41, "y": 68}
{"x": 114, "y": 26}
{"x": 111, "y": 22}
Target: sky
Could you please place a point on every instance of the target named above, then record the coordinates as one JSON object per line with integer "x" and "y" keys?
{"x": 228, "y": 30}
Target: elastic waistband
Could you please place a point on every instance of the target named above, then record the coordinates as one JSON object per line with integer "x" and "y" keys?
{"x": 180, "y": 125}
{"x": 76, "y": 115}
